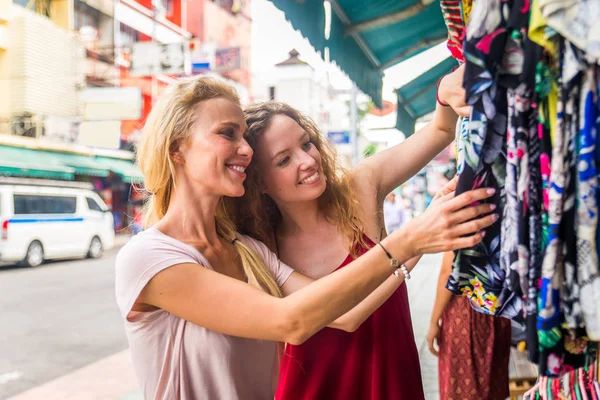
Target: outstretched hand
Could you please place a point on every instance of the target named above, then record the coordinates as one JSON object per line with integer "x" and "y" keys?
{"x": 451, "y": 222}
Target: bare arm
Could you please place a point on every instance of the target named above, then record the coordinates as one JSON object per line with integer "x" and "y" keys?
{"x": 354, "y": 318}
{"x": 223, "y": 304}
{"x": 442, "y": 299}
{"x": 235, "y": 308}
{"x": 390, "y": 168}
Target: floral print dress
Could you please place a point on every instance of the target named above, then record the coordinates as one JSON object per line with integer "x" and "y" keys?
{"x": 533, "y": 135}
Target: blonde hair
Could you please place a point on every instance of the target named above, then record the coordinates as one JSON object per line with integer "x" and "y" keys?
{"x": 256, "y": 214}
{"x": 171, "y": 122}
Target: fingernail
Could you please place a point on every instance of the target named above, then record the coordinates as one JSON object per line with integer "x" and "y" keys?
{"x": 483, "y": 234}
{"x": 491, "y": 191}
{"x": 492, "y": 207}
{"x": 495, "y": 217}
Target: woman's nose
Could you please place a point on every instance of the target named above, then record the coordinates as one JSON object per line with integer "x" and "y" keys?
{"x": 245, "y": 149}
{"x": 306, "y": 161}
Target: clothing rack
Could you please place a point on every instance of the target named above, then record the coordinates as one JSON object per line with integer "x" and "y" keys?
{"x": 532, "y": 76}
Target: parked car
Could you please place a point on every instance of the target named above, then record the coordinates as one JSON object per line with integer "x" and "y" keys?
{"x": 43, "y": 223}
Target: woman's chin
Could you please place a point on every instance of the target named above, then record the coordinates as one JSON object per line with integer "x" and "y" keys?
{"x": 236, "y": 192}
{"x": 313, "y": 193}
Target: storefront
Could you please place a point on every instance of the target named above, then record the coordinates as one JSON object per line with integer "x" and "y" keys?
{"x": 117, "y": 180}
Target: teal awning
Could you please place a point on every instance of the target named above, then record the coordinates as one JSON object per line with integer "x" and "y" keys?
{"x": 84, "y": 165}
{"x": 368, "y": 36}
{"x": 127, "y": 170}
{"x": 34, "y": 163}
{"x": 418, "y": 97}
{"x": 23, "y": 162}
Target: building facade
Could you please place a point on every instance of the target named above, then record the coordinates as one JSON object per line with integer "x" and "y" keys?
{"x": 72, "y": 105}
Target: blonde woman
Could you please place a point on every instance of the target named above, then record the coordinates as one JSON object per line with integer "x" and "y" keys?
{"x": 202, "y": 305}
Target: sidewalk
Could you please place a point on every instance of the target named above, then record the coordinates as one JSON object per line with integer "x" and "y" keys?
{"x": 421, "y": 294}
{"x": 112, "y": 378}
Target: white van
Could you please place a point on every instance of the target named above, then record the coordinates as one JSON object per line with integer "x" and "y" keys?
{"x": 42, "y": 223}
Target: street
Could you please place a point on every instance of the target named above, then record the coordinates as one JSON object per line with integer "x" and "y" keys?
{"x": 55, "y": 319}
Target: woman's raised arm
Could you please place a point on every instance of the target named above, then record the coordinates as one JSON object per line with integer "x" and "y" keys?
{"x": 388, "y": 169}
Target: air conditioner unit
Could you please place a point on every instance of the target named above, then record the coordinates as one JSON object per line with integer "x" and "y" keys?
{"x": 24, "y": 126}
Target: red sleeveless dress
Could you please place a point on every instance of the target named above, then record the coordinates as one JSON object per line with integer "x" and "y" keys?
{"x": 377, "y": 362}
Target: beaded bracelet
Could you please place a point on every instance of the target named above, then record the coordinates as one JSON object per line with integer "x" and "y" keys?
{"x": 404, "y": 271}
{"x": 394, "y": 263}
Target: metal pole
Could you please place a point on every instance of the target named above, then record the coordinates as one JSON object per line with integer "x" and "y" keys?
{"x": 354, "y": 125}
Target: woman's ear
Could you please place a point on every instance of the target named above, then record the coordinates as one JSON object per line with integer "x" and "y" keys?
{"x": 177, "y": 157}
{"x": 176, "y": 154}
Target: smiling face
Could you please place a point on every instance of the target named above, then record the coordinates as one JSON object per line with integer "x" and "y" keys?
{"x": 217, "y": 154}
{"x": 289, "y": 164}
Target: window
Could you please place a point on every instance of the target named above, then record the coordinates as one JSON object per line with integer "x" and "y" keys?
{"x": 86, "y": 16}
{"x": 92, "y": 205}
{"x": 127, "y": 35}
{"x": 38, "y": 204}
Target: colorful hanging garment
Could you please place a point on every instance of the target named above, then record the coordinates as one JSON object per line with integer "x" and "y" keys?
{"x": 576, "y": 21}
{"x": 462, "y": 135}
{"x": 456, "y": 15}
{"x": 587, "y": 208}
{"x": 494, "y": 63}
{"x": 539, "y": 173}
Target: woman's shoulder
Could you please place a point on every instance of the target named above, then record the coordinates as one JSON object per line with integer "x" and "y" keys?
{"x": 144, "y": 240}
{"x": 152, "y": 244}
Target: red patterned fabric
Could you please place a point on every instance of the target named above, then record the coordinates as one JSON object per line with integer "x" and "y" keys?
{"x": 474, "y": 353}
{"x": 451, "y": 10}
{"x": 377, "y": 362}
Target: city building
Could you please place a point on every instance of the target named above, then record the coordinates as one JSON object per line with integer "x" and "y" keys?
{"x": 297, "y": 83}
{"x": 75, "y": 88}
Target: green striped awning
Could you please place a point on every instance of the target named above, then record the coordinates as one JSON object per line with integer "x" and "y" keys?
{"x": 366, "y": 37}
{"x": 418, "y": 97}
{"x": 127, "y": 170}
{"x": 84, "y": 165}
{"x": 34, "y": 163}
{"x": 22, "y": 162}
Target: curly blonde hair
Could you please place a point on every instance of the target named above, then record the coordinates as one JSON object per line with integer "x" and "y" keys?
{"x": 171, "y": 122}
{"x": 257, "y": 215}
